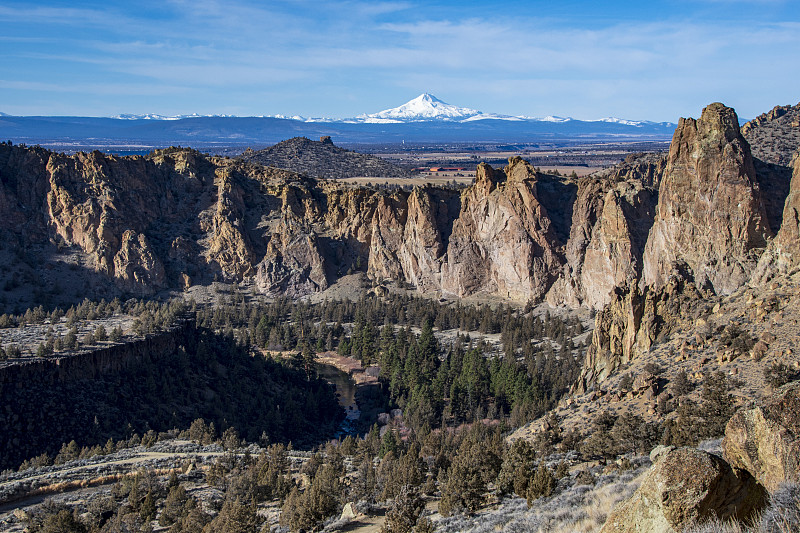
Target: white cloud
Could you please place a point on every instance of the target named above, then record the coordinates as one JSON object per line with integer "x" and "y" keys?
{"x": 358, "y": 54}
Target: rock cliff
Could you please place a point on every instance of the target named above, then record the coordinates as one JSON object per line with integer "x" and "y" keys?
{"x": 611, "y": 218}
{"x": 503, "y": 241}
{"x": 177, "y": 217}
{"x": 783, "y": 254}
{"x": 710, "y": 219}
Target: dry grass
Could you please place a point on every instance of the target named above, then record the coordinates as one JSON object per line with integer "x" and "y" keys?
{"x": 574, "y": 508}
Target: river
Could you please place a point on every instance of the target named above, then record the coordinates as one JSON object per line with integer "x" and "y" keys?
{"x": 346, "y": 390}
{"x": 361, "y": 403}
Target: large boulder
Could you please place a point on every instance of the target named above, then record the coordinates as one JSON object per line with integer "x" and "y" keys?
{"x": 765, "y": 440}
{"x": 686, "y": 486}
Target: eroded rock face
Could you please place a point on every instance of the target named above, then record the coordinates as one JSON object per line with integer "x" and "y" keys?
{"x": 136, "y": 267}
{"x": 177, "y": 215}
{"x": 293, "y": 265}
{"x": 632, "y": 322}
{"x": 422, "y": 251}
{"x": 709, "y": 215}
{"x": 614, "y": 336}
{"x": 775, "y": 136}
{"x": 229, "y": 245}
{"x": 783, "y": 254}
{"x": 611, "y": 218}
{"x": 388, "y": 226}
{"x": 765, "y": 440}
{"x": 686, "y": 486}
{"x": 502, "y": 242}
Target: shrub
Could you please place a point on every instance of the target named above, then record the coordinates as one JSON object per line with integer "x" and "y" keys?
{"x": 405, "y": 512}
{"x": 739, "y": 340}
{"x": 783, "y": 513}
{"x": 542, "y": 485}
{"x": 681, "y": 385}
{"x": 778, "y": 374}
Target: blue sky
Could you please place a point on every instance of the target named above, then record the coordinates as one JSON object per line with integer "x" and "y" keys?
{"x": 656, "y": 61}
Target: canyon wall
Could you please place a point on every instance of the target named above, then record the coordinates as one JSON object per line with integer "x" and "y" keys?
{"x": 629, "y": 242}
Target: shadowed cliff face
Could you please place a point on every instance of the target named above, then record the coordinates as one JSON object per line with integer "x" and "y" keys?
{"x": 783, "y": 254}
{"x": 158, "y": 382}
{"x": 611, "y": 218}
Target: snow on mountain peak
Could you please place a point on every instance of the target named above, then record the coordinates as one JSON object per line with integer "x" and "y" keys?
{"x": 423, "y": 107}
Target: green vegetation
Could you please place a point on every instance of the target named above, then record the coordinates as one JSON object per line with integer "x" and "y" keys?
{"x": 163, "y": 385}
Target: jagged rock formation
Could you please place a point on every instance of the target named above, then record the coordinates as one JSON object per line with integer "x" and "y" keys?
{"x": 177, "y": 217}
{"x": 685, "y": 487}
{"x": 783, "y": 254}
{"x": 612, "y": 216}
{"x": 774, "y": 138}
{"x": 709, "y": 219}
{"x": 635, "y": 320}
{"x": 322, "y": 159}
{"x": 410, "y": 236}
{"x": 765, "y": 440}
{"x": 293, "y": 265}
{"x": 503, "y": 241}
{"x": 710, "y": 230}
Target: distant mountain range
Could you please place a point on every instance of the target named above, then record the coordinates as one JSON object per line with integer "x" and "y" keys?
{"x": 423, "y": 119}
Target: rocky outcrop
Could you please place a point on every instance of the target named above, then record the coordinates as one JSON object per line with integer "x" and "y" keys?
{"x": 611, "y": 218}
{"x": 783, "y": 254}
{"x": 229, "y": 246}
{"x": 388, "y": 224}
{"x": 709, "y": 219}
{"x": 177, "y": 217}
{"x": 685, "y": 487}
{"x": 774, "y": 137}
{"x": 431, "y": 214}
{"x": 293, "y": 265}
{"x": 503, "y": 241}
{"x": 614, "y": 336}
{"x": 765, "y": 440}
{"x": 633, "y": 322}
{"x": 136, "y": 266}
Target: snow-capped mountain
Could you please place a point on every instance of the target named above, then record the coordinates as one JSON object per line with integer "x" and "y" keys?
{"x": 423, "y": 119}
{"x": 154, "y": 116}
{"x": 423, "y": 107}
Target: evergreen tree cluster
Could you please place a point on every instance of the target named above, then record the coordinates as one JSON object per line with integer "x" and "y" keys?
{"x": 208, "y": 376}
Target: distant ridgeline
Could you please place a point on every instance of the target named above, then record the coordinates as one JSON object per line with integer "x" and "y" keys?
{"x": 159, "y": 382}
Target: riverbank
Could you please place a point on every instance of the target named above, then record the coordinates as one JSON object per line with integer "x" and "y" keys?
{"x": 352, "y": 367}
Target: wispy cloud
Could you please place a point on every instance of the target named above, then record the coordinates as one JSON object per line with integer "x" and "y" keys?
{"x": 351, "y": 56}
